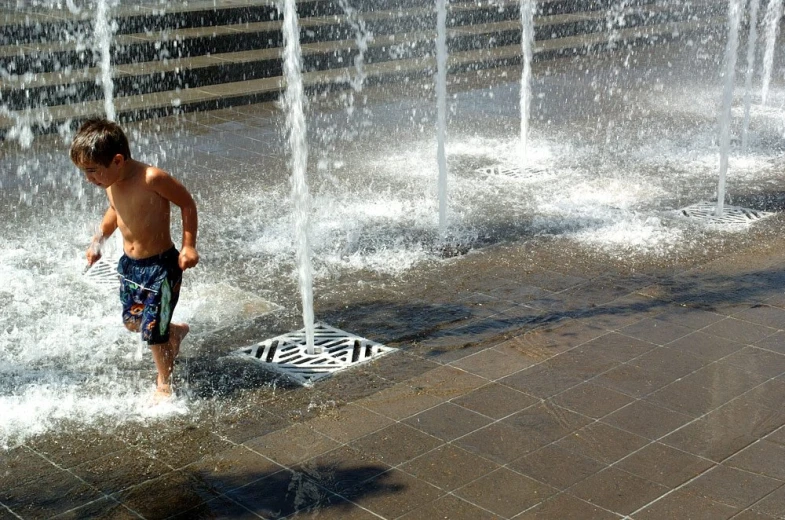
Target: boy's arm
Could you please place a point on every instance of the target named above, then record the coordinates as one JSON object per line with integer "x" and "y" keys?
{"x": 107, "y": 227}
{"x": 172, "y": 190}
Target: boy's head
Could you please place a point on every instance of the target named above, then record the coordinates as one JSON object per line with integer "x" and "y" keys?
{"x": 98, "y": 145}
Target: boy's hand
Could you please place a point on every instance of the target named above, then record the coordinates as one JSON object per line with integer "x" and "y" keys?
{"x": 93, "y": 254}
{"x": 188, "y": 258}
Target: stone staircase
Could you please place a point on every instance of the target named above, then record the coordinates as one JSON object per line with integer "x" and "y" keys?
{"x": 221, "y": 53}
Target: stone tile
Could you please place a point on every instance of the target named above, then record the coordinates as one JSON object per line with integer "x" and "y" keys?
{"x": 400, "y": 367}
{"x": 232, "y": 468}
{"x": 556, "y": 466}
{"x": 775, "y": 342}
{"x": 768, "y": 315}
{"x": 447, "y": 421}
{"x": 646, "y": 419}
{"x": 751, "y": 514}
{"x": 120, "y": 470}
{"x": 282, "y": 494}
{"x": 243, "y": 425}
{"x": 70, "y": 448}
{"x": 543, "y": 380}
{"x": 400, "y": 401}
{"x": 739, "y": 331}
{"x": 681, "y": 504}
{"x": 725, "y": 431}
{"x": 499, "y": 442}
{"x": 732, "y": 487}
{"x": 705, "y": 346}
{"x": 55, "y": 492}
{"x": 545, "y": 423}
{"x": 617, "y": 491}
{"x": 449, "y": 467}
{"x": 591, "y": 400}
{"x": 393, "y": 494}
{"x": 291, "y": 445}
{"x": 656, "y": 331}
{"x": 450, "y": 507}
{"x": 446, "y": 382}
{"x": 664, "y": 465}
{"x": 758, "y": 361}
{"x": 762, "y": 457}
{"x": 219, "y": 507}
{"x": 166, "y": 496}
{"x": 772, "y": 505}
{"x": 342, "y": 469}
{"x": 349, "y": 422}
{"x": 619, "y": 346}
{"x": 689, "y": 317}
{"x": 176, "y": 447}
{"x": 566, "y": 507}
{"x": 686, "y": 396}
{"x": 333, "y": 509}
{"x": 105, "y": 508}
{"x": 21, "y": 465}
{"x": 602, "y": 442}
{"x": 669, "y": 361}
{"x": 396, "y": 444}
{"x": 493, "y": 364}
{"x": 495, "y": 400}
{"x": 770, "y": 394}
{"x": 505, "y": 492}
{"x": 518, "y": 293}
{"x": 634, "y": 380}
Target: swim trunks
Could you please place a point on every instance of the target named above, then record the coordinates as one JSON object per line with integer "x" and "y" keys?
{"x": 149, "y": 290}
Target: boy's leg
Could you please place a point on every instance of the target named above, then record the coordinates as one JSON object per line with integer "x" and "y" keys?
{"x": 164, "y": 354}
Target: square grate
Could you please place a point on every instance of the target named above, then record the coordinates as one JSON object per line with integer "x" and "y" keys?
{"x": 515, "y": 172}
{"x": 103, "y": 273}
{"x": 287, "y": 354}
{"x": 705, "y": 211}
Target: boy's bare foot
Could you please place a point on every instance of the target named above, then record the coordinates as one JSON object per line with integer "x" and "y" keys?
{"x": 162, "y": 393}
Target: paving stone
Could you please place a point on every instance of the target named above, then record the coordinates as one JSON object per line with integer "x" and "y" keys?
{"x": 447, "y": 421}
{"x": 396, "y": 444}
{"x": 773, "y": 504}
{"x": 545, "y": 423}
{"x": 566, "y": 507}
{"x": 292, "y": 445}
{"x": 591, "y": 400}
{"x": 498, "y": 442}
{"x": 106, "y": 507}
{"x": 732, "y": 487}
{"x": 617, "y": 491}
{"x": 556, "y": 466}
{"x": 758, "y": 361}
{"x": 602, "y": 442}
{"x": 739, "y": 331}
{"x": 664, "y": 465}
{"x": 681, "y": 504}
{"x": 646, "y": 419}
{"x": 705, "y": 346}
{"x": 619, "y": 346}
{"x": 656, "y": 331}
{"x": 505, "y": 492}
{"x": 349, "y": 423}
{"x": 762, "y": 457}
{"x": 54, "y": 493}
{"x": 232, "y": 468}
{"x": 393, "y": 494}
{"x": 341, "y": 469}
{"x": 120, "y": 470}
{"x": 166, "y": 496}
{"x": 400, "y": 401}
{"x": 495, "y": 400}
{"x": 449, "y": 467}
{"x": 493, "y": 364}
{"x": 450, "y": 507}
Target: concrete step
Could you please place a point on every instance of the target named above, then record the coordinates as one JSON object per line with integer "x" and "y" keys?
{"x": 143, "y": 106}
{"x": 53, "y": 88}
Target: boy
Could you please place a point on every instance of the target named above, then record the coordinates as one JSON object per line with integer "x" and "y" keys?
{"x": 151, "y": 268}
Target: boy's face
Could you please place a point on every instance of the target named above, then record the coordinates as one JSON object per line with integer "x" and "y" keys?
{"x": 103, "y": 176}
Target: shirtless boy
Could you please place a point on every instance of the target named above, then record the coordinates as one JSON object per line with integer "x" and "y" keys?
{"x": 151, "y": 268}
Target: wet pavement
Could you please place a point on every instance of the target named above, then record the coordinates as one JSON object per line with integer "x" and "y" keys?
{"x": 535, "y": 378}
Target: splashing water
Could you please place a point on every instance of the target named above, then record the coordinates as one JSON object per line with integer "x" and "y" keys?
{"x": 441, "y": 103}
{"x": 104, "y": 30}
{"x": 734, "y": 18}
{"x": 527, "y": 46}
{"x": 772, "y": 21}
{"x": 296, "y": 129}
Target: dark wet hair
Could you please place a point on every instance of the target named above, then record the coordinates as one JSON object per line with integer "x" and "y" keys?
{"x": 98, "y": 141}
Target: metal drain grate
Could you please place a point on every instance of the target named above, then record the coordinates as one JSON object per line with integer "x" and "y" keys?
{"x": 287, "y": 354}
{"x": 103, "y": 273}
{"x": 705, "y": 211}
{"x": 515, "y": 172}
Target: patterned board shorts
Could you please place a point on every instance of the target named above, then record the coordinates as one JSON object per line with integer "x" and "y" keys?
{"x": 149, "y": 290}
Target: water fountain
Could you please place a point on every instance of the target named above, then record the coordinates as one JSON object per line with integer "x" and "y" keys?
{"x": 371, "y": 213}
{"x": 772, "y": 24}
{"x": 752, "y": 43}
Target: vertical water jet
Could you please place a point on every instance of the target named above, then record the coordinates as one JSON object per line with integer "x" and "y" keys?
{"x": 527, "y": 47}
{"x": 731, "y": 49}
{"x": 441, "y": 104}
{"x": 298, "y": 148}
{"x": 752, "y": 43}
{"x": 103, "y": 40}
{"x": 772, "y": 22}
